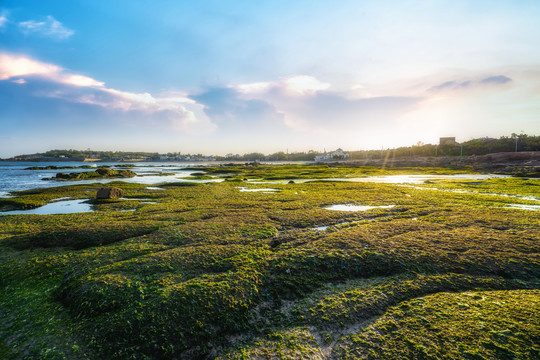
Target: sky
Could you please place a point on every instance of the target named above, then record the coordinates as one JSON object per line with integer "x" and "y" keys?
{"x": 219, "y": 77}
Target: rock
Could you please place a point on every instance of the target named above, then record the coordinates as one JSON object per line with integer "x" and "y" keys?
{"x": 109, "y": 173}
{"x": 62, "y": 176}
{"x": 291, "y": 182}
{"x": 109, "y": 193}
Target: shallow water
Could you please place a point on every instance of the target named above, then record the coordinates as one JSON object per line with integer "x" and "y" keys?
{"x": 419, "y": 179}
{"x": 320, "y": 228}
{"x": 352, "y": 207}
{"x": 324, "y": 228}
{"x": 392, "y": 179}
{"x": 513, "y": 196}
{"x": 58, "y": 207}
{"x": 245, "y": 189}
{"x": 524, "y": 207}
{"x": 14, "y": 177}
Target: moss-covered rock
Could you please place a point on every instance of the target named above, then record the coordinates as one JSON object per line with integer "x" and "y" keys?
{"x": 102, "y": 173}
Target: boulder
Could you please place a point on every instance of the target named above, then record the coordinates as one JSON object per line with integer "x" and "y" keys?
{"x": 109, "y": 193}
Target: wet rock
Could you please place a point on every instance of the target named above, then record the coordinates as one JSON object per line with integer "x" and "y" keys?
{"x": 109, "y": 193}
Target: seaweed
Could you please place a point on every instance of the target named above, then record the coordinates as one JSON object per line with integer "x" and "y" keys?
{"x": 214, "y": 272}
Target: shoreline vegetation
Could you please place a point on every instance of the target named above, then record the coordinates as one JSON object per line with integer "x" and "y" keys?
{"x": 259, "y": 266}
{"x": 523, "y": 164}
{"x": 417, "y": 153}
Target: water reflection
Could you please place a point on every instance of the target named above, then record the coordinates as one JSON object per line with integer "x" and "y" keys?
{"x": 419, "y": 179}
{"x": 59, "y": 207}
{"x": 524, "y": 207}
{"x": 245, "y": 189}
{"x": 352, "y": 207}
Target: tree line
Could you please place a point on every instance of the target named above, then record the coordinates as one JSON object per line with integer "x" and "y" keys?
{"x": 480, "y": 146}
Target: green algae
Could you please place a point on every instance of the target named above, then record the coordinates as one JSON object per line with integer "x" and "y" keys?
{"x": 101, "y": 173}
{"x": 211, "y": 271}
{"x": 468, "y": 325}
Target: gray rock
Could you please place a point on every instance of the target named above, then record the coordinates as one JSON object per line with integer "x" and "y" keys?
{"x": 109, "y": 193}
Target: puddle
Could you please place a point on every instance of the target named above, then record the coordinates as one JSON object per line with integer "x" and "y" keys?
{"x": 524, "y": 207}
{"x": 244, "y": 189}
{"x": 154, "y": 188}
{"x": 419, "y": 179}
{"x": 321, "y": 228}
{"x": 324, "y": 228}
{"x": 349, "y": 207}
{"x": 59, "y": 207}
{"x": 391, "y": 179}
{"x": 352, "y": 207}
{"x": 281, "y": 182}
{"x": 459, "y": 191}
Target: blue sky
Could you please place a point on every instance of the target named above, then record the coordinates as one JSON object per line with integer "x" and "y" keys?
{"x": 238, "y": 76}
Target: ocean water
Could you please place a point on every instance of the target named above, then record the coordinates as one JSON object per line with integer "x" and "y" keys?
{"x": 14, "y": 177}
{"x": 58, "y": 207}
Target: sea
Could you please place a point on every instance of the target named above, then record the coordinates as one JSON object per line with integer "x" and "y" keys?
{"x": 15, "y": 176}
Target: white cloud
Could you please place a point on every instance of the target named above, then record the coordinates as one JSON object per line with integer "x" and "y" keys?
{"x": 302, "y": 103}
{"x": 254, "y": 88}
{"x": 303, "y": 84}
{"x": 50, "y": 27}
{"x": 3, "y": 19}
{"x": 82, "y": 89}
{"x": 308, "y": 105}
{"x": 418, "y": 109}
{"x": 80, "y": 80}
{"x": 21, "y": 66}
{"x": 293, "y": 85}
{"x": 14, "y": 66}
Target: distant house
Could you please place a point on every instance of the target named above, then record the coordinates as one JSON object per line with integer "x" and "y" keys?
{"x": 447, "y": 141}
{"x": 339, "y": 154}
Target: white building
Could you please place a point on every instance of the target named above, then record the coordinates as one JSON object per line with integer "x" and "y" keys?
{"x": 339, "y": 154}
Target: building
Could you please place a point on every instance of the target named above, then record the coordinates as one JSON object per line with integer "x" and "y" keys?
{"x": 339, "y": 154}
{"x": 447, "y": 141}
